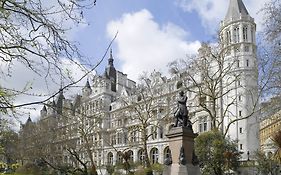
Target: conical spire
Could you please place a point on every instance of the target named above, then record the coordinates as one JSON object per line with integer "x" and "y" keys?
{"x": 44, "y": 108}
{"x": 110, "y": 60}
{"x": 43, "y": 111}
{"x": 61, "y": 96}
{"x": 28, "y": 120}
{"x": 87, "y": 85}
{"x": 236, "y": 9}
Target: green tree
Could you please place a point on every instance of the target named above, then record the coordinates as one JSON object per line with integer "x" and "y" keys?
{"x": 215, "y": 153}
{"x": 266, "y": 164}
{"x": 277, "y": 140}
{"x": 9, "y": 146}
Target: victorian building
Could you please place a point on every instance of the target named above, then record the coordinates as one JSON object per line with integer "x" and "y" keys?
{"x": 114, "y": 115}
{"x": 270, "y": 124}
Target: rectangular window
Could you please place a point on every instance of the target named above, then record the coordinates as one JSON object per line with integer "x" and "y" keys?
{"x": 228, "y": 37}
{"x": 205, "y": 126}
{"x": 240, "y": 113}
{"x": 161, "y": 132}
{"x": 238, "y": 63}
{"x": 119, "y": 141}
{"x": 200, "y": 127}
{"x": 240, "y": 98}
{"x": 153, "y": 132}
{"x": 133, "y": 136}
{"x": 241, "y": 146}
{"x": 247, "y": 63}
{"x": 240, "y": 130}
{"x": 236, "y": 35}
{"x": 252, "y": 34}
{"x": 246, "y": 48}
{"x": 245, "y": 33}
{"x": 239, "y": 83}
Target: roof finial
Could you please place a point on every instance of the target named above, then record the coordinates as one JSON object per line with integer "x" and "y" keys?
{"x": 110, "y": 60}
{"x": 111, "y": 53}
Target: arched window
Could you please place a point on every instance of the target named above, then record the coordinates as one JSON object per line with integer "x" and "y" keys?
{"x": 154, "y": 155}
{"x": 228, "y": 37}
{"x": 141, "y": 155}
{"x": 119, "y": 157}
{"x": 110, "y": 158}
{"x": 130, "y": 155}
{"x": 167, "y": 153}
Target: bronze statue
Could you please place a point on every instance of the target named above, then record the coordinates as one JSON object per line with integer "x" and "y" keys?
{"x": 181, "y": 114}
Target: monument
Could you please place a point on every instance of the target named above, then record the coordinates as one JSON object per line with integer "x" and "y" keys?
{"x": 183, "y": 160}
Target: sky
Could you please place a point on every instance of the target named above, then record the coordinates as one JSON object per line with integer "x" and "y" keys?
{"x": 151, "y": 34}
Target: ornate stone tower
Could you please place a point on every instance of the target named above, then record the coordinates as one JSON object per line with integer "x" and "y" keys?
{"x": 110, "y": 72}
{"x": 237, "y": 34}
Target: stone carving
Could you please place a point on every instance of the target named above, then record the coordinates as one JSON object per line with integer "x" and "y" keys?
{"x": 168, "y": 160}
{"x": 182, "y": 159}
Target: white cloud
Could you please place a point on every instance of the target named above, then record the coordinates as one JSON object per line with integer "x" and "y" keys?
{"x": 40, "y": 87}
{"x": 144, "y": 45}
{"x": 212, "y": 12}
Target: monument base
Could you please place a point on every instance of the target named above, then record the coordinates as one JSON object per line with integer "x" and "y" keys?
{"x": 181, "y": 144}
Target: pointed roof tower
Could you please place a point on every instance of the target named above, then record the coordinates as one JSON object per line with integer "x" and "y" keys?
{"x": 87, "y": 85}
{"x": 44, "y": 108}
{"x": 43, "y": 111}
{"x": 28, "y": 121}
{"x": 110, "y": 72}
{"x": 87, "y": 90}
{"x": 110, "y": 60}
{"x": 236, "y": 10}
{"x": 61, "y": 96}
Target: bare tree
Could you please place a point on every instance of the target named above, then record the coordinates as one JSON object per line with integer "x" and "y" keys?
{"x": 63, "y": 132}
{"x": 34, "y": 33}
{"x": 272, "y": 22}
{"x": 148, "y": 110}
{"x": 270, "y": 49}
{"x": 213, "y": 77}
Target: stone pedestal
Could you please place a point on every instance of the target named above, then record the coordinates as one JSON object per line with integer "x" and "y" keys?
{"x": 181, "y": 144}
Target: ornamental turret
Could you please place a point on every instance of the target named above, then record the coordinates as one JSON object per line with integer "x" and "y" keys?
{"x": 110, "y": 72}
{"x": 87, "y": 90}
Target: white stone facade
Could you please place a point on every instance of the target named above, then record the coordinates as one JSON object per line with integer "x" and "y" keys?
{"x": 102, "y": 98}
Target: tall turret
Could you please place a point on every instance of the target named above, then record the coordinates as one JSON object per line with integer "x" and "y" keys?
{"x": 60, "y": 101}
{"x": 238, "y": 27}
{"x": 43, "y": 111}
{"x": 87, "y": 90}
{"x": 237, "y": 35}
{"x": 110, "y": 72}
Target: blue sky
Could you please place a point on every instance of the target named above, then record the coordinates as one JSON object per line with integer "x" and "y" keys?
{"x": 94, "y": 38}
{"x": 152, "y": 33}
{"x": 183, "y": 23}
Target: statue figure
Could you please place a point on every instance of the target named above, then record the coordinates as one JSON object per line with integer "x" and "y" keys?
{"x": 181, "y": 114}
